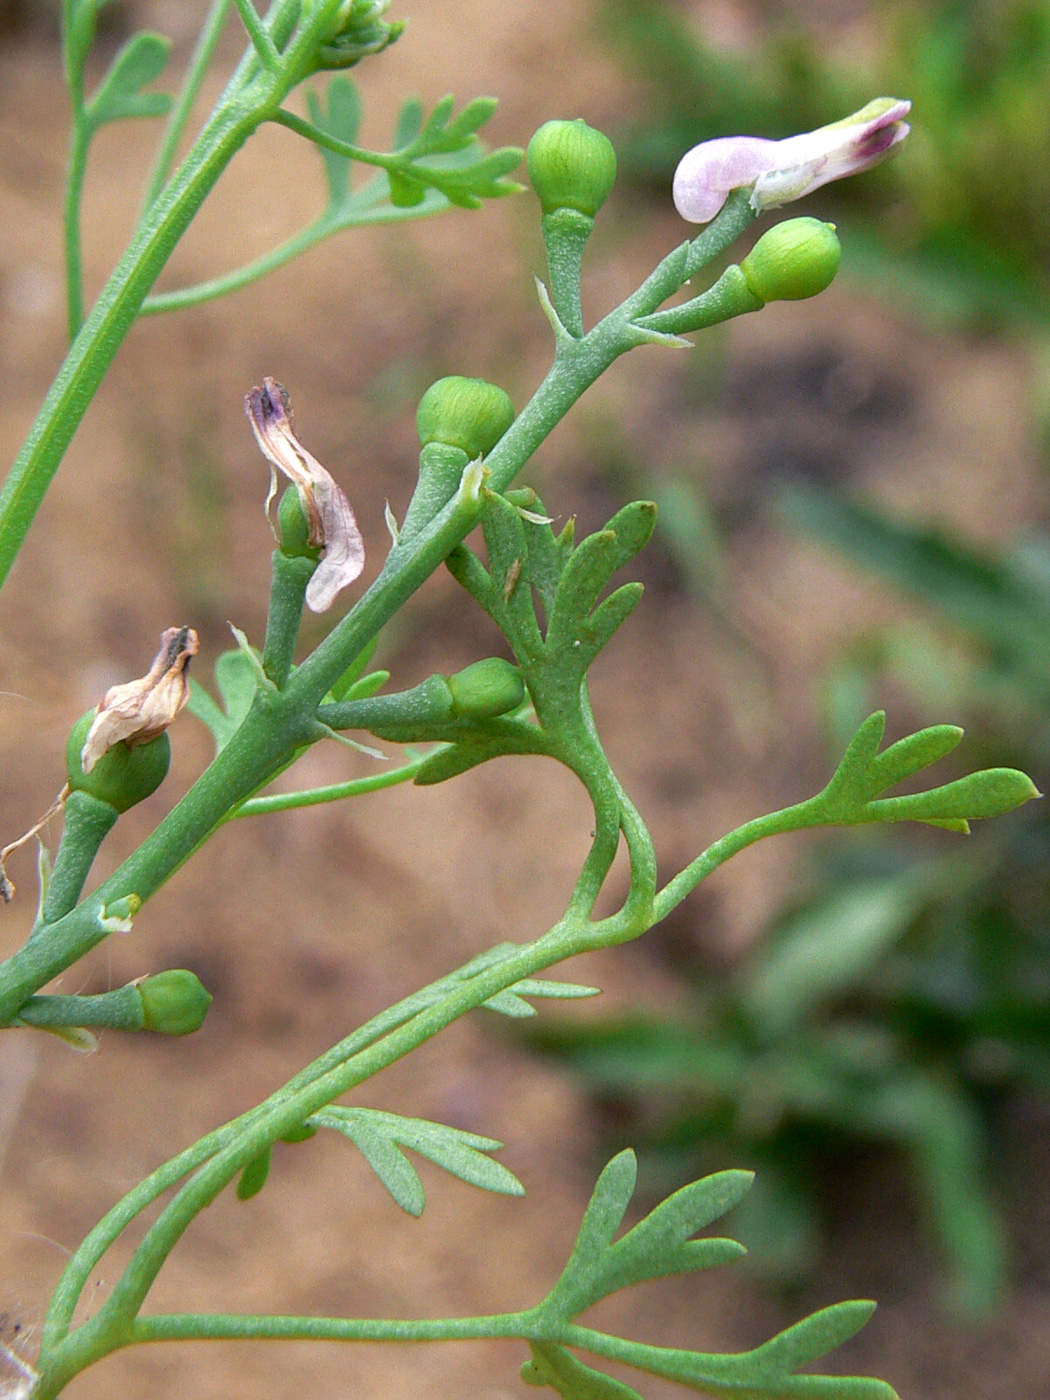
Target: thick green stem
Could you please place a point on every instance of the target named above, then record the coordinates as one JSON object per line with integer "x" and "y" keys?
{"x": 287, "y": 594}
{"x": 565, "y": 232}
{"x": 120, "y": 1010}
{"x": 270, "y": 736}
{"x": 87, "y": 824}
{"x": 250, "y": 99}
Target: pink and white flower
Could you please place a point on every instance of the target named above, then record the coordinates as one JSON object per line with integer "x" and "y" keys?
{"x": 781, "y": 171}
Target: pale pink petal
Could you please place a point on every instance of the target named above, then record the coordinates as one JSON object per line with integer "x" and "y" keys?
{"x": 344, "y": 555}
{"x": 708, "y": 172}
{"x": 780, "y": 171}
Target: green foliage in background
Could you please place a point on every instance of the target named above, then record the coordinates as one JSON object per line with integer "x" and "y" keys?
{"x": 962, "y": 219}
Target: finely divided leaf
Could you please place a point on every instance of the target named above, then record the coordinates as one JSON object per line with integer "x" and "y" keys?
{"x": 592, "y": 564}
{"x": 603, "y": 1217}
{"x": 662, "y": 1244}
{"x": 849, "y": 798}
{"x": 380, "y": 1136}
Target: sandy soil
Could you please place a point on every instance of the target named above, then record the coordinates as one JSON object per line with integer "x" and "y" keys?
{"x": 306, "y": 924}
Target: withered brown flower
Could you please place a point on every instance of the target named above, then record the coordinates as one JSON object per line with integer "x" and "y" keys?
{"x": 333, "y": 527}
{"x": 138, "y": 711}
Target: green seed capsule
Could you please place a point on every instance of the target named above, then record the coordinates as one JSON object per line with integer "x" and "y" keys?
{"x": 486, "y": 689}
{"x": 796, "y": 259}
{"x": 470, "y": 414}
{"x": 174, "y": 1003}
{"x": 572, "y": 166}
{"x": 293, "y": 528}
{"x": 124, "y": 775}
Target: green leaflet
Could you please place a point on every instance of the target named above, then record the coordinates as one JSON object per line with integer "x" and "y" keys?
{"x": 554, "y": 1366}
{"x": 660, "y": 1244}
{"x": 341, "y": 119}
{"x": 141, "y": 61}
{"x": 512, "y": 1002}
{"x": 849, "y": 799}
{"x": 254, "y": 1176}
{"x": 237, "y": 680}
{"x": 381, "y": 1136}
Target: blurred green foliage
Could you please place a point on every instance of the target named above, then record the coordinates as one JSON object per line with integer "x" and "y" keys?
{"x": 961, "y": 219}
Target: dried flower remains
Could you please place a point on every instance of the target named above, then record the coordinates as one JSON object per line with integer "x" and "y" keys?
{"x": 333, "y": 527}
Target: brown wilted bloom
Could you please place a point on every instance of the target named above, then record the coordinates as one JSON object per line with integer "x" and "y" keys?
{"x": 140, "y": 710}
{"x": 333, "y": 527}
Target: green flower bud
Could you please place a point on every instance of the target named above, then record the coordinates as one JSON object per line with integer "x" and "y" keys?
{"x": 124, "y": 775}
{"x": 796, "y": 259}
{"x": 470, "y": 414}
{"x": 293, "y": 528}
{"x": 358, "y": 32}
{"x": 486, "y": 689}
{"x": 571, "y": 166}
{"x": 174, "y": 1003}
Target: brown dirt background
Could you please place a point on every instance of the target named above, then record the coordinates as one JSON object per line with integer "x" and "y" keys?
{"x": 303, "y": 925}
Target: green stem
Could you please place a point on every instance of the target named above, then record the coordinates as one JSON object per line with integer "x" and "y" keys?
{"x": 797, "y": 818}
{"x": 90, "y": 1252}
{"x": 231, "y": 1327}
{"x": 119, "y": 1010}
{"x": 247, "y": 102}
{"x": 203, "y": 53}
{"x": 78, "y": 153}
{"x": 259, "y": 35}
{"x": 381, "y": 159}
{"x": 286, "y": 1111}
{"x": 291, "y": 575}
{"x": 279, "y": 725}
{"x": 565, "y": 232}
{"x": 87, "y": 824}
{"x": 335, "y": 792}
{"x": 351, "y": 215}
{"x": 110, "y": 320}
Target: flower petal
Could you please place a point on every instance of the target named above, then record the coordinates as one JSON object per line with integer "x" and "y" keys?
{"x": 781, "y": 171}
{"x": 708, "y": 172}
